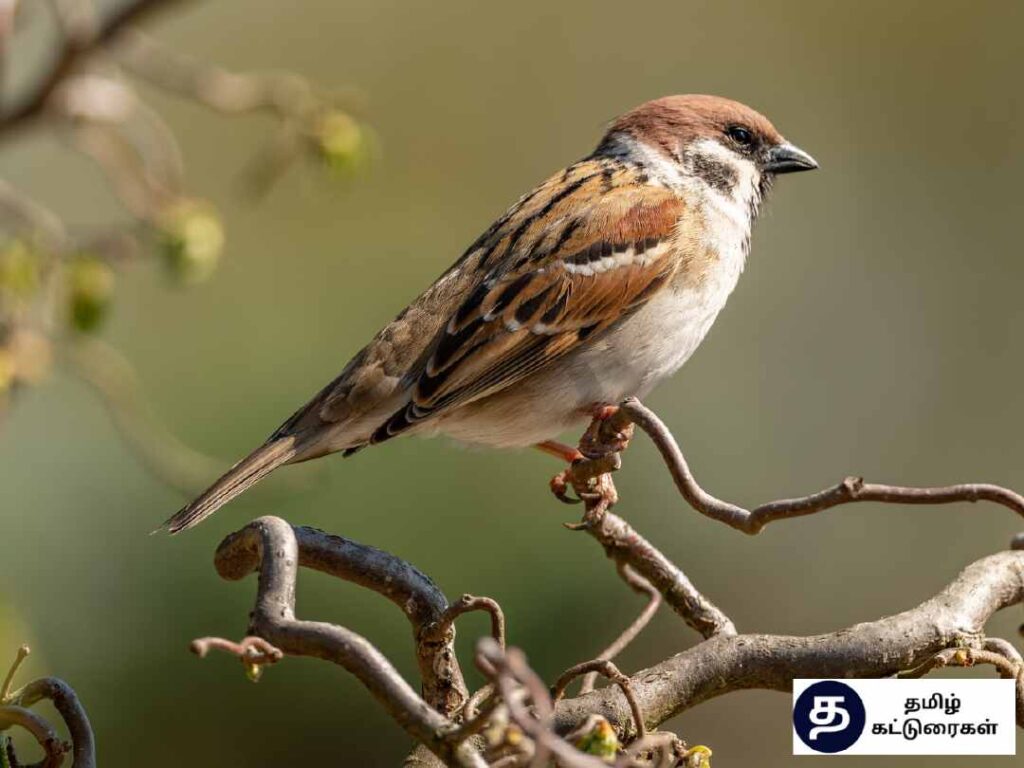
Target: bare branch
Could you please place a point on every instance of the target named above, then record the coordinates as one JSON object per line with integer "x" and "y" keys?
{"x": 282, "y": 93}
{"x": 12, "y": 716}
{"x": 74, "y": 50}
{"x": 509, "y": 670}
{"x": 850, "y": 490}
{"x": 468, "y": 603}
{"x": 14, "y": 711}
{"x": 623, "y": 544}
{"x": 5, "y": 689}
{"x": 253, "y": 649}
{"x": 272, "y": 546}
{"x": 609, "y": 670}
{"x": 638, "y": 584}
{"x": 65, "y": 701}
{"x": 955, "y": 618}
{"x": 1009, "y": 667}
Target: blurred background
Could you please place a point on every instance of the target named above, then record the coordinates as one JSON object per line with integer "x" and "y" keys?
{"x": 876, "y": 332}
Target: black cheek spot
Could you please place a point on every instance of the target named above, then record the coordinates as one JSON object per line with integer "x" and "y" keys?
{"x": 717, "y": 174}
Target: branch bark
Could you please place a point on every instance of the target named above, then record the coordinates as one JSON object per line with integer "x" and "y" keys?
{"x": 955, "y": 617}
{"x": 946, "y": 629}
{"x": 413, "y": 592}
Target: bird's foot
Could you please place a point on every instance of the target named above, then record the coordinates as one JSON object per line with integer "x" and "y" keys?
{"x": 591, "y": 465}
{"x": 610, "y": 431}
{"x": 590, "y": 479}
{"x": 560, "y": 484}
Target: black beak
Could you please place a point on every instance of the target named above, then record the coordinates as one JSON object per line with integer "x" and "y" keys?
{"x": 785, "y": 158}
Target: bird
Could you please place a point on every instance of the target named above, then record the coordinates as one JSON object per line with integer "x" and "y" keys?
{"x": 591, "y": 288}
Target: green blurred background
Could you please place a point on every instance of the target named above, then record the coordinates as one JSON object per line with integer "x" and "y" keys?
{"x": 876, "y": 331}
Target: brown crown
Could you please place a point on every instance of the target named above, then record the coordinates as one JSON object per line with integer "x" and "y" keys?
{"x": 673, "y": 122}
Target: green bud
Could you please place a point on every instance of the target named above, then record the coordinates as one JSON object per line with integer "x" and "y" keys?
{"x": 191, "y": 239}
{"x": 697, "y": 757}
{"x": 340, "y": 141}
{"x": 599, "y": 740}
{"x": 90, "y": 291}
{"x": 253, "y": 671}
{"x": 19, "y": 270}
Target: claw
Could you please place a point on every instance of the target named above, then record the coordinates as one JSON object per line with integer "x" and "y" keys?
{"x": 560, "y": 487}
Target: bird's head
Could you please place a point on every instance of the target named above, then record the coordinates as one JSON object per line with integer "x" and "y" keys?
{"x": 727, "y": 145}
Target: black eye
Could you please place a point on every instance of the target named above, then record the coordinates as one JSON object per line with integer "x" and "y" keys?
{"x": 740, "y": 135}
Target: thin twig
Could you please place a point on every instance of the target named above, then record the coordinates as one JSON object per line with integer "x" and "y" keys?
{"x": 1004, "y": 647}
{"x": 67, "y": 60}
{"x": 626, "y": 547}
{"x": 5, "y": 689}
{"x": 850, "y": 490}
{"x": 509, "y": 670}
{"x": 468, "y": 603}
{"x": 639, "y": 584}
{"x": 252, "y": 649}
{"x": 609, "y": 670}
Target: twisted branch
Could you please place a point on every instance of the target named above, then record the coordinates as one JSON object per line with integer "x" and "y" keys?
{"x": 955, "y": 618}
{"x": 947, "y": 629}
{"x": 419, "y": 598}
{"x": 15, "y": 711}
{"x": 850, "y": 490}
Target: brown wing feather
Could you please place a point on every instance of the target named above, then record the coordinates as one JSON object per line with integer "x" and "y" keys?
{"x": 568, "y": 274}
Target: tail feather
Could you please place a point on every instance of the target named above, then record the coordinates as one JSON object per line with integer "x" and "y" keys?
{"x": 244, "y": 474}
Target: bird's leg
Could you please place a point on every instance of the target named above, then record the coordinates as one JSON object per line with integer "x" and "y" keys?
{"x": 560, "y": 482}
{"x": 559, "y": 450}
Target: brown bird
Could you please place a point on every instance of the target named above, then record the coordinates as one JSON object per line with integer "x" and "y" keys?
{"x": 591, "y": 288}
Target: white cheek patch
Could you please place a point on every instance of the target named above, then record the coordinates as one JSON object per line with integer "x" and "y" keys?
{"x": 748, "y": 178}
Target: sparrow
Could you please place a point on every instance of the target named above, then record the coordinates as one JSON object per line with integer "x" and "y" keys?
{"x": 591, "y": 288}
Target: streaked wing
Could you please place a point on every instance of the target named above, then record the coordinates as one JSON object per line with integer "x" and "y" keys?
{"x": 580, "y": 254}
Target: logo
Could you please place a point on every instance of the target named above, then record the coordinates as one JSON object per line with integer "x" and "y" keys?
{"x": 829, "y": 716}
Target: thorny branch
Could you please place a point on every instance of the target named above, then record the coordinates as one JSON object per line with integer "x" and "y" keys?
{"x": 516, "y": 721}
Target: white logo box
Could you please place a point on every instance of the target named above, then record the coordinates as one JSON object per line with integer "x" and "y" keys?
{"x": 927, "y": 716}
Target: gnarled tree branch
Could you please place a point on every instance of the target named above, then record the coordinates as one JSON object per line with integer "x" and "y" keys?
{"x": 954, "y": 618}
{"x": 408, "y": 588}
{"x": 946, "y": 629}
